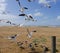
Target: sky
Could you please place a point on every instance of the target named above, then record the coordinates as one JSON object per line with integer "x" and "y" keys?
{"x": 45, "y": 16}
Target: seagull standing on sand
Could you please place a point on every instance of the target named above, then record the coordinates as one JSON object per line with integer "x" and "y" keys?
{"x": 30, "y": 33}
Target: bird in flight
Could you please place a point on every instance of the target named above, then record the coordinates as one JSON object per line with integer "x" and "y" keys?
{"x": 28, "y": 17}
{"x": 12, "y": 37}
{"x": 30, "y": 33}
{"x": 47, "y": 3}
{"x": 22, "y": 9}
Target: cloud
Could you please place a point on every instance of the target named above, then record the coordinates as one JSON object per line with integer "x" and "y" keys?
{"x": 43, "y": 1}
{"x": 38, "y": 14}
{"x": 8, "y": 16}
{"x": 46, "y": 1}
{"x": 3, "y": 5}
{"x": 2, "y": 1}
{"x": 58, "y": 17}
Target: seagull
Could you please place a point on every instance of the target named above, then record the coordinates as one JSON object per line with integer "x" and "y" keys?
{"x": 13, "y": 37}
{"x": 30, "y": 33}
{"x": 22, "y": 9}
{"x": 8, "y": 22}
{"x": 28, "y": 17}
{"x": 20, "y": 25}
{"x": 45, "y": 3}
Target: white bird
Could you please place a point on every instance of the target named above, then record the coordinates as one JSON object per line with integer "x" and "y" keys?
{"x": 22, "y": 9}
{"x": 12, "y": 37}
{"x": 22, "y": 24}
{"x": 30, "y": 33}
{"x": 45, "y": 3}
{"x": 28, "y": 17}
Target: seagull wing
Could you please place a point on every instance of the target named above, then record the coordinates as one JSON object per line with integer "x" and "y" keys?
{"x": 29, "y": 0}
{"x": 29, "y": 33}
{"x": 21, "y": 14}
{"x": 20, "y": 25}
{"x": 25, "y": 7}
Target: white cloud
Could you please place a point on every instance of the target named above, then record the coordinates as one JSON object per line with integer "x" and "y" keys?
{"x": 2, "y": 0}
{"x": 46, "y": 1}
{"x": 58, "y": 17}
{"x": 43, "y": 1}
{"x": 2, "y": 5}
{"x": 38, "y": 14}
{"x": 8, "y": 16}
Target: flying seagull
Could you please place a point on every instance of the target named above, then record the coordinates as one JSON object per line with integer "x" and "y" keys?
{"x": 30, "y": 33}
{"x": 22, "y": 14}
{"x": 20, "y": 25}
{"x": 28, "y": 17}
{"x": 45, "y": 3}
{"x": 12, "y": 37}
{"x": 8, "y": 22}
{"x": 21, "y": 7}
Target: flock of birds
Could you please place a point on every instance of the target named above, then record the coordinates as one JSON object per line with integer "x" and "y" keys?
{"x": 13, "y": 37}
{"x": 27, "y": 17}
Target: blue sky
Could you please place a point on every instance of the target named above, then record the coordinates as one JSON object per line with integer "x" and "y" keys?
{"x": 43, "y": 15}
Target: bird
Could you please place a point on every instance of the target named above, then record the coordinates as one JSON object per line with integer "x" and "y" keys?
{"x": 30, "y": 33}
{"x": 29, "y": 18}
{"x": 13, "y": 37}
{"x": 20, "y": 25}
{"x": 8, "y": 22}
{"x": 20, "y": 44}
{"x": 22, "y": 9}
{"x": 45, "y": 3}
